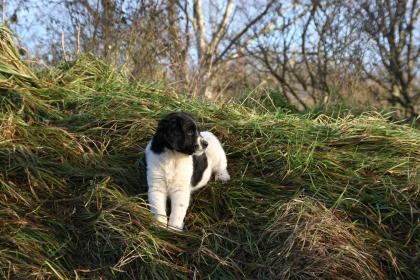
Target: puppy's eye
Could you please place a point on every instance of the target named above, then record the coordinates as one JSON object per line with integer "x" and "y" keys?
{"x": 190, "y": 132}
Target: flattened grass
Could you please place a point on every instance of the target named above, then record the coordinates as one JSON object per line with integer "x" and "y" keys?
{"x": 323, "y": 198}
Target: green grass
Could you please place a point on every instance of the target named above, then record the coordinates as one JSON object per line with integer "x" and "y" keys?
{"x": 311, "y": 197}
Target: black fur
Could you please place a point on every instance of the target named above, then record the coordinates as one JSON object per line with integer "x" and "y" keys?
{"x": 199, "y": 165}
{"x": 177, "y": 131}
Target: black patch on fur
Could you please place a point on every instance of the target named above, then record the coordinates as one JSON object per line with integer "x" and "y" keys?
{"x": 199, "y": 165}
{"x": 158, "y": 146}
{"x": 177, "y": 131}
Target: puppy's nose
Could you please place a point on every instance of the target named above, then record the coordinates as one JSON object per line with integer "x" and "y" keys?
{"x": 204, "y": 143}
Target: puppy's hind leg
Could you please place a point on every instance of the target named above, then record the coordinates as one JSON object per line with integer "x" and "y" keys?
{"x": 222, "y": 175}
{"x": 220, "y": 172}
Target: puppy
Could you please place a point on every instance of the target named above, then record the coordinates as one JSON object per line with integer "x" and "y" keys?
{"x": 180, "y": 160}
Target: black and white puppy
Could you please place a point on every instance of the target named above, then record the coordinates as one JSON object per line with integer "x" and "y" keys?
{"x": 180, "y": 159}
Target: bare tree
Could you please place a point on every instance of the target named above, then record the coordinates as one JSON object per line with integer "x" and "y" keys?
{"x": 218, "y": 40}
{"x": 276, "y": 54}
{"x": 313, "y": 53}
{"x": 133, "y": 33}
{"x": 179, "y": 40}
{"x": 391, "y": 25}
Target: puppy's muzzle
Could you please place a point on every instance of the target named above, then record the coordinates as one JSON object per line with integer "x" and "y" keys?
{"x": 203, "y": 145}
{"x": 200, "y": 146}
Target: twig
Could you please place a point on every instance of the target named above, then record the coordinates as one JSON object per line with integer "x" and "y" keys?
{"x": 78, "y": 41}
{"x": 63, "y": 47}
{"x": 3, "y": 11}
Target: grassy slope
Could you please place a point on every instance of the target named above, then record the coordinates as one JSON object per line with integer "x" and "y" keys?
{"x": 310, "y": 198}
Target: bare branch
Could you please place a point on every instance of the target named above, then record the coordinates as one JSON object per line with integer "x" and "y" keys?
{"x": 199, "y": 28}
{"x": 238, "y": 36}
{"x": 217, "y": 36}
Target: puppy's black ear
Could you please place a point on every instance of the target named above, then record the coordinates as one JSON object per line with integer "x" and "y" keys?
{"x": 161, "y": 126}
{"x": 168, "y": 130}
{"x": 166, "y": 125}
{"x": 162, "y": 137}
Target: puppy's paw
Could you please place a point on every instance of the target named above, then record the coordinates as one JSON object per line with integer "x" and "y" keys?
{"x": 174, "y": 228}
{"x": 222, "y": 176}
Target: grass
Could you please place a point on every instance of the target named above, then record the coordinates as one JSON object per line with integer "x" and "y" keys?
{"x": 312, "y": 197}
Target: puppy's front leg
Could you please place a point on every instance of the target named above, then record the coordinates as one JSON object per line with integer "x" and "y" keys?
{"x": 180, "y": 200}
{"x": 157, "y": 200}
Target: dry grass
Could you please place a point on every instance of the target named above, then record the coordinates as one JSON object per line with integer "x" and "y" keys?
{"x": 305, "y": 239}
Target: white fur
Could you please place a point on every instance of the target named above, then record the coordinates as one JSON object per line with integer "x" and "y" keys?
{"x": 169, "y": 175}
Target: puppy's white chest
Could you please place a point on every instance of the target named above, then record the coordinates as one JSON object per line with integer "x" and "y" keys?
{"x": 170, "y": 172}
{"x": 177, "y": 172}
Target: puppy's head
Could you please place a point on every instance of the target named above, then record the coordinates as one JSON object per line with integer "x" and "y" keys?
{"x": 179, "y": 132}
